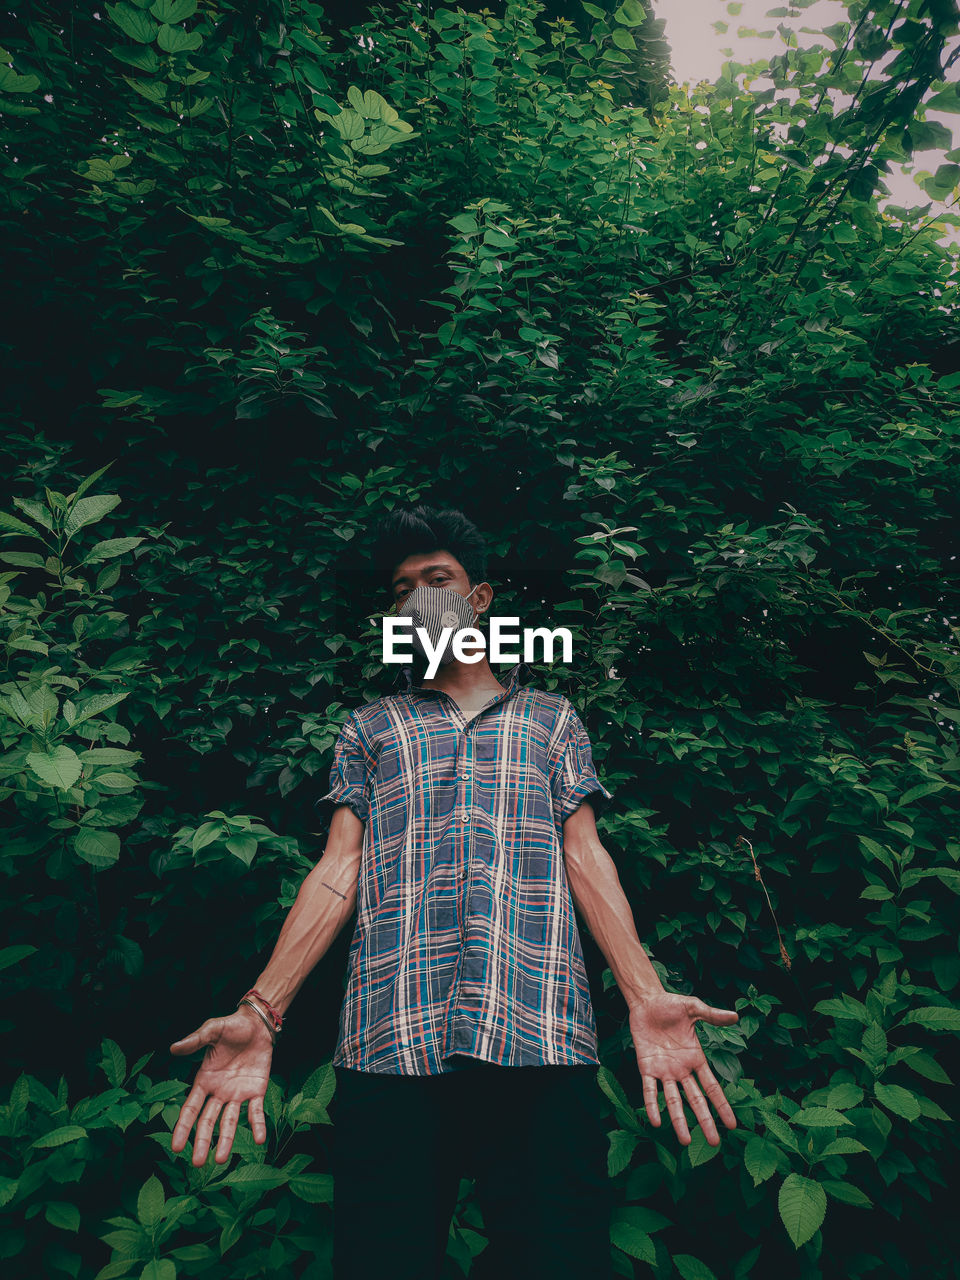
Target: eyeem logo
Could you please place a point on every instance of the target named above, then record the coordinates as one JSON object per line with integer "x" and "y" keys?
{"x": 468, "y": 644}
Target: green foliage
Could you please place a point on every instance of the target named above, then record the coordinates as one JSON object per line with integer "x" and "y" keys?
{"x": 703, "y": 394}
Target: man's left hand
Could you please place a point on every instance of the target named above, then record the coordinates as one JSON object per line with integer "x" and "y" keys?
{"x": 669, "y": 1056}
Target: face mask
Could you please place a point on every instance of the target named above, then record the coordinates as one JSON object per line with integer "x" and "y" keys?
{"x": 434, "y": 609}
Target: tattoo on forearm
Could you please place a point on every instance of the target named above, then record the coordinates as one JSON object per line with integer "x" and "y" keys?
{"x": 332, "y": 890}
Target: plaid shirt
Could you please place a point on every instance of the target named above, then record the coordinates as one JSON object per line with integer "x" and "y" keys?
{"x": 466, "y": 940}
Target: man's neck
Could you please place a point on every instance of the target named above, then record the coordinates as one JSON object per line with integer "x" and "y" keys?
{"x": 464, "y": 679}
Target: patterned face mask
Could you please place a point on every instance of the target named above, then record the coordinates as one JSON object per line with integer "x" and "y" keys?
{"x": 433, "y": 609}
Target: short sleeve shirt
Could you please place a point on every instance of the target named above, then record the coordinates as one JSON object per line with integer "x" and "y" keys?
{"x": 466, "y": 942}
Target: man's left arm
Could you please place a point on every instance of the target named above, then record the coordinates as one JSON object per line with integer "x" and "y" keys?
{"x": 669, "y": 1055}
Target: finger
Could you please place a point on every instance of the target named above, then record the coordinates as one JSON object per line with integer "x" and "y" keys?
{"x": 208, "y": 1116}
{"x": 698, "y": 1105}
{"x": 256, "y": 1119}
{"x": 718, "y": 1017}
{"x": 672, "y": 1098}
{"x": 188, "y": 1113}
{"x": 207, "y": 1033}
{"x": 228, "y": 1127}
{"x": 650, "y": 1100}
{"x": 712, "y": 1088}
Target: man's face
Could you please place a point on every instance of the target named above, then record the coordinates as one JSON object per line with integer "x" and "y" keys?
{"x": 430, "y": 569}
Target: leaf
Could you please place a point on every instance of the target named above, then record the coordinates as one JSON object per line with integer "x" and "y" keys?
{"x": 159, "y": 1269}
{"x": 692, "y": 1268}
{"x": 133, "y": 22}
{"x": 847, "y": 1193}
{"x": 927, "y": 1066}
{"x": 15, "y": 525}
{"x": 615, "y": 1091}
{"x": 173, "y": 11}
{"x": 633, "y": 1242}
{"x": 150, "y": 1202}
{"x": 699, "y": 1150}
{"x": 99, "y": 848}
{"x": 844, "y": 1095}
{"x": 113, "y": 1062}
{"x": 13, "y": 955}
{"x": 803, "y": 1206}
{"x": 314, "y": 1188}
{"x": 819, "y": 1118}
{"x": 261, "y": 1177}
{"x": 58, "y": 1137}
{"x": 63, "y": 1214}
{"x": 842, "y": 1147}
{"x": 89, "y": 510}
{"x": 60, "y": 767}
{"x": 174, "y": 40}
{"x": 898, "y": 1100}
{"x": 243, "y": 847}
{"x": 934, "y": 1017}
{"x": 108, "y": 548}
{"x": 620, "y": 1153}
{"x": 760, "y": 1159}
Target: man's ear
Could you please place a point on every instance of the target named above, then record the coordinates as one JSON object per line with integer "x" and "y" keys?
{"x": 483, "y": 598}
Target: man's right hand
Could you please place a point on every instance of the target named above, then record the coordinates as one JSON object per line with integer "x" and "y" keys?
{"x": 235, "y": 1069}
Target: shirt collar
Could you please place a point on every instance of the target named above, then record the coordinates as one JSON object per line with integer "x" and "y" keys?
{"x": 514, "y": 677}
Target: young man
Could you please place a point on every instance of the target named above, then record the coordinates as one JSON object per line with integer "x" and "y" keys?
{"x": 463, "y": 832}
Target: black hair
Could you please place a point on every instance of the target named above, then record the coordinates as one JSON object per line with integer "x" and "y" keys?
{"x": 409, "y": 531}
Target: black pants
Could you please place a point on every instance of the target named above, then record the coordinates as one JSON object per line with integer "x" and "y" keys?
{"x": 533, "y": 1138}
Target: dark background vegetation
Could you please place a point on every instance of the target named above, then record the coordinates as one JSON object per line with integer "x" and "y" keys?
{"x": 271, "y": 270}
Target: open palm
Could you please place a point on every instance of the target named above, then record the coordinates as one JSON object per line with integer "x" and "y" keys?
{"x": 235, "y": 1069}
{"x": 670, "y": 1057}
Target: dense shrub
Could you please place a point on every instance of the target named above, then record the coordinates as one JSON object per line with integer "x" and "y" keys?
{"x": 269, "y": 279}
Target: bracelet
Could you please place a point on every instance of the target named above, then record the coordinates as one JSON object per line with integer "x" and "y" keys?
{"x": 274, "y": 1014}
{"x": 262, "y": 1015}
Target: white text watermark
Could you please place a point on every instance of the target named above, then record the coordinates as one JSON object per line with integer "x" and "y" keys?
{"x": 468, "y": 644}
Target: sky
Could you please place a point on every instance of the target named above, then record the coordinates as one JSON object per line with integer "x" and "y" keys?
{"x": 699, "y": 52}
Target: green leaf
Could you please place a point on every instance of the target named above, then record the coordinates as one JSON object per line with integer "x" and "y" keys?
{"x": 631, "y": 13}
{"x": 927, "y": 1066}
{"x": 108, "y": 548}
{"x": 803, "y": 1206}
{"x": 13, "y": 955}
{"x": 99, "y": 848}
{"x": 150, "y": 1202}
{"x": 847, "y": 1193}
{"x": 622, "y": 1146}
{"x": 699, "y": 1150}
{"x": 633, "y": 1242}
{"x": 820, "y": 1118}
{"x": 897, "y": 1099}
{"x": 692, "y": 1268}
{"x": 133, "y": 22}
{"x": 63, "y": 1214}
{"x": 841, "y": 1147}
{"x": 615, "y": 1091}
{"x": 60, "y": 1136}
{"x": 760, "y": 1159}
{"x": 174, "y": 40}
{"x": 243, "y": 847}
{"x": 60, "y": 767}
{"x": 159, "y": 1269}
{"x": 934, "y": 1017}
{"x": 89, "y": 510}
{"x": 314, "y": 1188}
{"x": 173, "y": 11}
{"x": 14, "y": 525}
{"x": 844, "y": 1095}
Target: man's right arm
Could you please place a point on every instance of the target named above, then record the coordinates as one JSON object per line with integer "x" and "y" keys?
{"x": 327, "y": 899}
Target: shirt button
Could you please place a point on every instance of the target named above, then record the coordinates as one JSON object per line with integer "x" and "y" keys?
{"x": 465, "y": 816}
